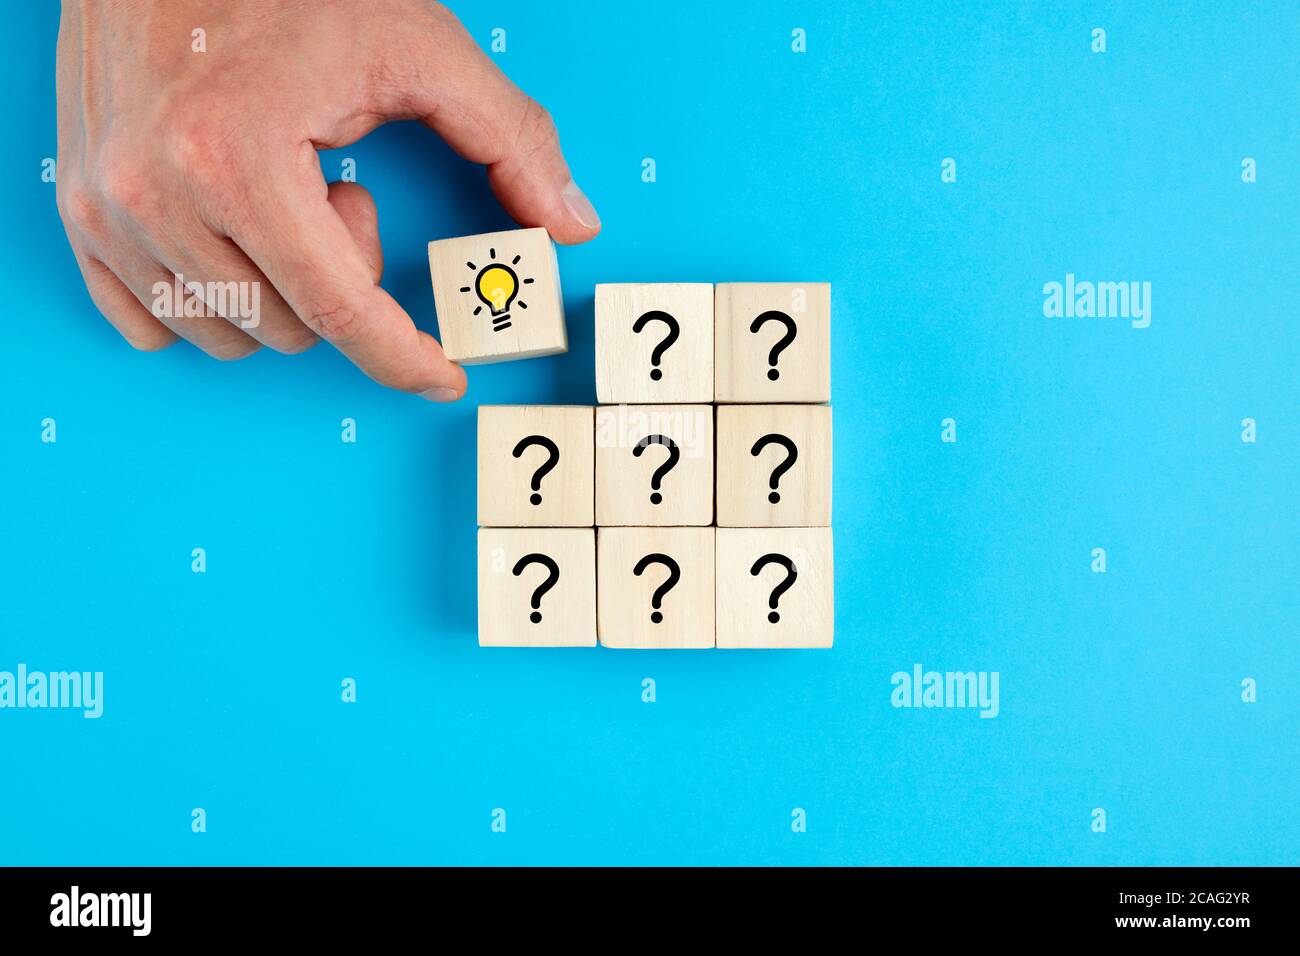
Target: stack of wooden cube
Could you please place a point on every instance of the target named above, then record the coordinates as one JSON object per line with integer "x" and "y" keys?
{"x": 691, "y": 508}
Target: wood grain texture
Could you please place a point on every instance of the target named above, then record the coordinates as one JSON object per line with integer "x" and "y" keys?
{"x": 565, "y": 615}
{"x": 626, "y": 490}
{"x": 565, "y": 495}
{"x": 745, "y": 493}
{"x": 805, "y": 611}
{"x": 625, "y": 367}
{"x": 743, "y": 371}
{"x": 531, "y": 322}
{"x": 625, "y": 616}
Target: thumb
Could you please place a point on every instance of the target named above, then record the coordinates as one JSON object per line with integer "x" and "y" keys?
{"x": 532, "y": 179}
{"x": 444, "y": 79}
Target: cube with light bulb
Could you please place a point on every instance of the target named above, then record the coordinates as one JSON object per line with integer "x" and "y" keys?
{"x": 498, "y": 296}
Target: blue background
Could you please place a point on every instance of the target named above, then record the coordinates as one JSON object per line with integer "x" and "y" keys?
{"x": 328, "y": 560}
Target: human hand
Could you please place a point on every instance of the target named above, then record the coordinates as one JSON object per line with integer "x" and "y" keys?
{"x": 203, "y": 164}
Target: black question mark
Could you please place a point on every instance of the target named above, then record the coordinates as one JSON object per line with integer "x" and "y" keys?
{"x": 674, "y": 330}
{"x": 550, "y": 565}
{"x": 790, "y": 574}
{"x": 674, "y": 575}
{"x": 553, "y": 459}
{"x": 790, "y": 331}
{"x": 791, "y": 457}
{"x": 674, "y": 455}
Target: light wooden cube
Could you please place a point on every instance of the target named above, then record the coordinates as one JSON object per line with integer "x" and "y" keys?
{"x": 654, "y": 465}
{"x": 535, "y": 466}
{"x": 776, "y": 587}
{"x": 498, "y": 296}
{"x": 516, "y": 605}
{"x": 637, "y": 607}
{"x": 757, "y": 360}
{"x": 638, "y": 357}
{"x": 774, "y": 466}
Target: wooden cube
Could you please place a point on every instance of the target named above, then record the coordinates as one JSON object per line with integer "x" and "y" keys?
{"x": 654, "y": 342}
{"x": 498, "y": 296}
{"x": 537, "y": 587}
{"x": 535, "y": 466}
{"x": 654, "y": 465}
{"x": 774, "y": 466}
{"x": 776, "y": 587}
{"x": 655, "y": 587}
{"x": 773, "y": 342}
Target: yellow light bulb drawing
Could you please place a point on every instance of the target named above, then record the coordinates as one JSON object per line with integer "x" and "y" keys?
{"x": 497, "y": 287}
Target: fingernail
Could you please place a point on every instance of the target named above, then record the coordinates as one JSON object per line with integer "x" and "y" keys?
{"x": 440, "y": 394}
{"x": 580, "y": 206}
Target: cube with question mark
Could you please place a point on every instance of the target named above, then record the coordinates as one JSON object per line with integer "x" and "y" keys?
{"x": 498, "y": 296}
{"x": 773, "y": 342}
{"x": 774, "y": 466}
{"x": 537, "y": 587}
{"x": 654, "y": 465}
{"x": 654, "y": 342}
{"x": 655, "y": 587}
{"x": 775, "y": 587}
{"x": 536, "y": 466}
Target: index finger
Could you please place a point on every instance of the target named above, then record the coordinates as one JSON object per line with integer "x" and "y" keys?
{"x": 302, "y": 245}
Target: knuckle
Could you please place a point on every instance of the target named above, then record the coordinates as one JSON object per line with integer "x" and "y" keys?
{"x": 125, "y": 185}
{"x": 187, "y": 138}
{"x": 79, "y": 208}
{"x": 200, "y": 146}
{"x": 331, "y": 320}
{"x": 436, "y": 19}
{"x": 536, "y": 130}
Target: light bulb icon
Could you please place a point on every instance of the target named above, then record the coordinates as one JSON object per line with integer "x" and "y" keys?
{"x": 497, "y": 287}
